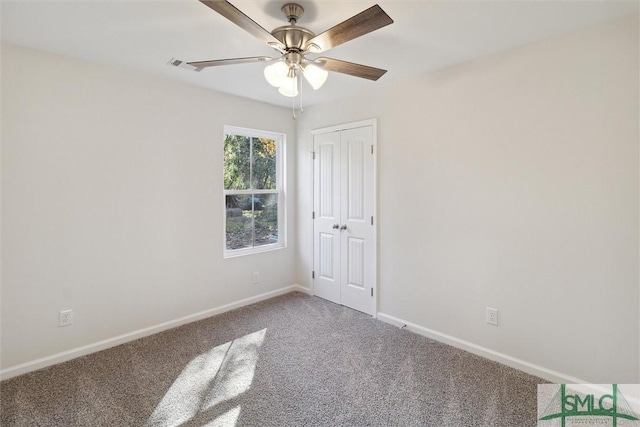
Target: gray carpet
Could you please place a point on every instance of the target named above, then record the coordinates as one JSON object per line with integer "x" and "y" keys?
{"x": 294, "y": 360}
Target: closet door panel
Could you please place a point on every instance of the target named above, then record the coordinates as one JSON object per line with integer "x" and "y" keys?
{"x": 356, "y": 207}
{"x": 326, "y": 231}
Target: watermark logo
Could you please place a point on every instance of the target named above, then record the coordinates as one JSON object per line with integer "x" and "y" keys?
{"x": 592, "y": 405}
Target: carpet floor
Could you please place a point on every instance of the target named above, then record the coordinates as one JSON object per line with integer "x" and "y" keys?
{"x": 293, "y": 360}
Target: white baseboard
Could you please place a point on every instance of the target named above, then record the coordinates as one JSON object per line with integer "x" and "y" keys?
{"x": 522, "y": 365}
{"x": 302, "y": 289}
{"x": 64, "y": 356}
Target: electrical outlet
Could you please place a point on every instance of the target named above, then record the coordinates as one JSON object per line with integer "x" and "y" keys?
{"x": 492, "y": 316}
{"x": 66, "y": 318}
{"x": 256, "y": 277}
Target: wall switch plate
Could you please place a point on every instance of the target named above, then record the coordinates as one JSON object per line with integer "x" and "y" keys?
{"x": 256, "y": 277}
{"x": 66, "y": 318}
{"x": 492, "y": 316}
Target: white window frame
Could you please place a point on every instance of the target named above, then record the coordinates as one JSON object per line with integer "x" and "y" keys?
{"x": 280, "y": 140}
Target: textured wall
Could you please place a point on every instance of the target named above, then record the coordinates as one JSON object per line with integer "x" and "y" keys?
{"x": 112, "y": 202}
{"x": 511, "y": 181}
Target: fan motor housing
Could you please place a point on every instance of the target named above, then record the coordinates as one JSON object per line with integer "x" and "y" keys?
{"x": 293, "y": 37}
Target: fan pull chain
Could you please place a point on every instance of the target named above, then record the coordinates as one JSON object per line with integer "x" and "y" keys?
{"x": 293, "y": 98}
{"x": 300, "y": 86}
{"x": 293, "y": 107}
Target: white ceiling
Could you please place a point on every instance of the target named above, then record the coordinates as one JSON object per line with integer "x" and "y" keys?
{"x": 427, "y": 35}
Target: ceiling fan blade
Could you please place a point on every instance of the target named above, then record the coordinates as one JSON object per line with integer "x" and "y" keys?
{"x": 230, "y": 61}
{"x": 363, "y": 23}
{"x": 234, "y": 15}
{"x": 358, "y": 70}
{"x": 199, "y": 65}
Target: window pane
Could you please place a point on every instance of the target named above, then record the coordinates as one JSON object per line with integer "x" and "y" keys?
{"x": 239, "y": 222}
{"x": 266, "y": 219}
{"x": 264, "y": 164}
{"x": 237, "y": 162}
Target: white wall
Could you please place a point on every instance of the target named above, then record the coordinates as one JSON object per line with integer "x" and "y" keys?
{"x": 112, "y": 202}
{"x": 511, "y": 182}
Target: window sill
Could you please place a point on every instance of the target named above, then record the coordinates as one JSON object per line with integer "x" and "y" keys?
{"x": 234, "y": 253}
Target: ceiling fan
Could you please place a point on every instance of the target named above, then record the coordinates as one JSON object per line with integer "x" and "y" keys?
{"x": 294, "y": 43}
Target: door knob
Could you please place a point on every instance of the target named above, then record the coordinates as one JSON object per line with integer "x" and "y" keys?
{"x": 343, "y": 227}
{"x": 336, "y": 226}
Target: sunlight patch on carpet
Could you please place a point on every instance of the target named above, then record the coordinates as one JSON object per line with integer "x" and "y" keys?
{"x": 229, "y": 418}
{"x": 221, "y": 374}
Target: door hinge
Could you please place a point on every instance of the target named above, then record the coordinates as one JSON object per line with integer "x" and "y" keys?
{"x": 371, "y": 220}
{"x": 372, "y": 149}
{"x": 313, "y": 215}
{"x": 313, "y": 153}
{"x": 371, "y": 291}
{"x": 313, "y": 274}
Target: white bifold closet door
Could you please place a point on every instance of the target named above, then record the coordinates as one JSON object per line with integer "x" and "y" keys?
{"x": 344, "y": 243}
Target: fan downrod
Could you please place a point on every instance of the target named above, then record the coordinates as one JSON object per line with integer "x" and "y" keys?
{"x": 293, "y": 12}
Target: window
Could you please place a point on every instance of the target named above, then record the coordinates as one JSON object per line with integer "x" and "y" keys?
{"x": 254, "y": 199}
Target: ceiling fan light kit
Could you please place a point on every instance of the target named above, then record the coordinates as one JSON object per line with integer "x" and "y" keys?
{"x": 315, "y": 75}
{"x": 276, "y": 73}
{"x": 290, "y": 87}
{"x": 294, "y": 43}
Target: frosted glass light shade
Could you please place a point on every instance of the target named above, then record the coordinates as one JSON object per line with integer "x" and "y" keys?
{"x": 289, "y": 87}
{"x": 315, "y": 75}
{"x": 276, "y": 73}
